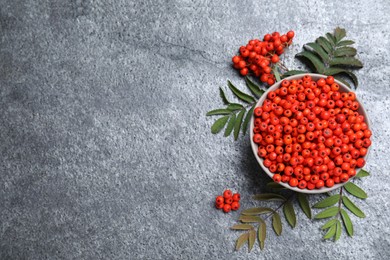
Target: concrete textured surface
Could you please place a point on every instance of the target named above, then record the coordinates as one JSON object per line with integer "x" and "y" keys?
{"x": 106, "y": 152}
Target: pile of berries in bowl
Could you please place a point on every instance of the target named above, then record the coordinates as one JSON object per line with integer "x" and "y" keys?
{"x": 310, "y": 133}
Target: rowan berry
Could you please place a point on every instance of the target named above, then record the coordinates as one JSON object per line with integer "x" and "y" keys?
{"x": 236, "y": 197}
{"x": 235, "y": 205}
{"x": 227, "y": 194}
{"x": 227, "y": 208}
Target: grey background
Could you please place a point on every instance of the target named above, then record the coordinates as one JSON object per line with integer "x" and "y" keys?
{"x": 106, "y": 152}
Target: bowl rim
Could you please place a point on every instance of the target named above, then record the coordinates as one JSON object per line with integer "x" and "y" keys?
{"x": 343, "y": 88}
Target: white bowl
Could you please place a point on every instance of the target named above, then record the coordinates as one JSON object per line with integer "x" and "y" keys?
{"x": 343, "y": 88}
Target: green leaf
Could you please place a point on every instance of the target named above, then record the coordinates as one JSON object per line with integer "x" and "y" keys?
{"x": 275, "y": 185}
{"x": 218, "y": 112}
{"x": 331, "y": 232}
{"x": 355, "y": 190}
{"x": 339, "y": 33}
{"x": 237, "y": 124}
{"x": 261, "y": 234}
{"x": 331, "y": 39}
{"x": 234, "y": 107}
{"x": 255, "y": 89}
{"x": 347, "y": 222}
{"x": 345, "y": 43}
{"x": 219, "y": 124}
{"x": 329, "y": 224}
{"x": 353, "y": 208}
{"x": 362, "y": 173}
{"x": 247, "y": 119}
{"x": 345, "y": 51}
{"x": 223, "y": 97}
{"x": 304, "y": 204}
{"x": 342, "y": 81}
{"x": 315, "y": 61}
{"x": 256, "y": 211}
{"x": 242, "y": 240}
{"x": 338, "y": 230}
{"x": 325, "y": 44}
{"x": 242, "y": 227}
{"x": 293, "y": 72}
{"x": 252, "y": 238}
{"x": 249, "y": 219}
{"x": 329, "y": 212}
{"x": 239, "y": 94}
{"x": 289, "y": 213}
{"x": 329, "y": 201}
{"x": 316, "y": 48}
{"x": 336, "y": 70}
{"x": 230, "y": 125}
{"x": 346, "y": 61}
{"x": 277, "y": 223}
{"x": 269, "y": 196}
{"x": 276, "y": 73}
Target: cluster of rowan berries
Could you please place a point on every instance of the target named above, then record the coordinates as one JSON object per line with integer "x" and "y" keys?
{"x": 258, "y": 56}
{"x": 310, "y": 134}
{"x": 228, "y": 201}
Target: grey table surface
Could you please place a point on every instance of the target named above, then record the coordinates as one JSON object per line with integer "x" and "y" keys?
{"x": 106, "y": 152}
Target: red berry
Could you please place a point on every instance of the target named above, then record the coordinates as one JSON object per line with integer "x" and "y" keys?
{"x": 236, "y": 197}
{"x": 219, "y": 206}
{"x": 290, "y": 34}
{"x": 235, "y": 205}
{"x": 226, "y": 208}
{"x": 228, "y": 200}
{"x": 219, "y": 200}
{"x": 227, "y": 194}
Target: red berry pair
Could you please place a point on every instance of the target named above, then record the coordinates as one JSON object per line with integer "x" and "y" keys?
{"x": 228, "y": 201}
{"x": 258, "y": 56}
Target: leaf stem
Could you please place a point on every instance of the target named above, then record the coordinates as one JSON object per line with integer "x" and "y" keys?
{"x": 340, "y": 200}
{"x": 281, "y": 205}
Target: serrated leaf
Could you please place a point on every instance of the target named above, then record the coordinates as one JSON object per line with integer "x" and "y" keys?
{"x": 252, "y": 238}
{"x": 304, "y": 204}
{"x": 276, "y": 73}
{"x": 329, "y": 201}
{"x": 325, "y": 44}
{"x": 329, "y": 224}
{"x": 242, "y": 227}
{"x": 338, "y": 230}
{"x": 293, "y": 72}
{"x": 353, "y": 208}
{"x": 337, "y": 70}
{"x": 223, "y": 96}
{"x": 277, "y": 223}
{"x": 362, "y": 173}
{"x": 275, "y": 185}
{"x": 314, "y": 60}
{"x": 256, "y": 211}
{"x": 237, "y": 124}
{"x": 219, "y": 124}
{"x": 346, "y": 61}
{"x": 331, "y": 232}
{"x": 242, "y": 240}
{"x": 339, "y": 33}
{"x": 230, "y": 125}
{"x": 241, "y": 95}
{"x": 247, "y": 119}
{"x": 355, "y": 190}
{"x": 261, "y": 234}
{"x": 218, "y": 112}
{"x": 345, "y": 51}
{"x": 342, "y": 81}
{"x": 234, "y": 106}
{"x": 347, "y": 222}
{"x": 315, "y": 47}
{"x": 269, "y": 196}
{"x": 249, "y": 219}
{"x": 331, "y": 39}
{"x": 345, "y": 43}
{"x": 289, "y": 213}
{"x": 327, "y": 213}
{"x": 254, "y": 88}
